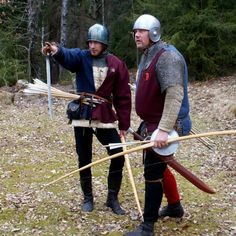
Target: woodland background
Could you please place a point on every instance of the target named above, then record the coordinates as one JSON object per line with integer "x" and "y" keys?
{"x": 35, "y": 149}
{"x": 203, "y": 30}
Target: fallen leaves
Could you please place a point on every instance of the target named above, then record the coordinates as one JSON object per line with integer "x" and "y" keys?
{"x": 35, "y": 150}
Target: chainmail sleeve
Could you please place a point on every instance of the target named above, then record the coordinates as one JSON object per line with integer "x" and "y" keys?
{"x": 170, "y": 69}
{"x": 170, "y": 75}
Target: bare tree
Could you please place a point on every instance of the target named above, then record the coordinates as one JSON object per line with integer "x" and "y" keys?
{"x": 64, "y": 20}
{"x": 95, "y": 8}
{"x": 64, "y": 15}
{"x": 33, "y": 15}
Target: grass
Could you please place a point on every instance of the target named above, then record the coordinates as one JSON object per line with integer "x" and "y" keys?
{"x": 36, "y": 150}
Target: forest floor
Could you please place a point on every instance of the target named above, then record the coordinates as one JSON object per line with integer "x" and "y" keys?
{"x": 36, "y": 150}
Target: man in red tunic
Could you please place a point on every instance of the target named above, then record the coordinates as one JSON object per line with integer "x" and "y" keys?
{"x": 161, "y": 101}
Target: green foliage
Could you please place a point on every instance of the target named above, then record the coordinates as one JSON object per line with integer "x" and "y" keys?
{"x": 126, "y": 42}
{"x": 10, "y": 71}
{"x": 12, "y": 49}
{"x": 204, "y": 31}
{"x": 207, "y": 40}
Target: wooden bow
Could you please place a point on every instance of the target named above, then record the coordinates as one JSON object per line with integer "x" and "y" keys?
{"x": 141, "y": 147}
{"x": 131, "y": 178}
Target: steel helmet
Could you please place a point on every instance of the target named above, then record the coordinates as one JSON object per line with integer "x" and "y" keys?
{"x": 98, "y": 33}
{"x": 150, "y": 23}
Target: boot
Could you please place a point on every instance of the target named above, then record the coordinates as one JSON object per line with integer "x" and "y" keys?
{"x": 153, "y": 198}
{"x": 172, "y": 210}
{"x": 144, "y": 229}
{"x": 113, "y": 203}
{"x": 114, "y": 183}
{"x": 86, "y": 185}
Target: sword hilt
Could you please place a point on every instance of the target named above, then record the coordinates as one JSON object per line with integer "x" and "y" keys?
{"x": 136, "y": 135}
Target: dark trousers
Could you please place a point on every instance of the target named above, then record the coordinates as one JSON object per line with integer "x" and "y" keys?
{"x": 84, "y": 139}
{"x": 154, "y": 170}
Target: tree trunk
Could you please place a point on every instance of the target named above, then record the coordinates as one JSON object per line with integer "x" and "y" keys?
{"x": 63, "y": 39}
{"x": 33, "y": 13}
{"x": 64, "y": 14}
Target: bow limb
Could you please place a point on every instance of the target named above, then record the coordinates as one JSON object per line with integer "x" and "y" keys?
{"x": 175, "y": 139}
{"x": 102, "y": 160}
{"x": 141, "y": 147}
{"x": 131, "y": 178}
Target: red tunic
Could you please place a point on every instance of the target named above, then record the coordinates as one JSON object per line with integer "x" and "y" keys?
{"x": 115, "y": 84}
{"x": 149, "y": 102}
